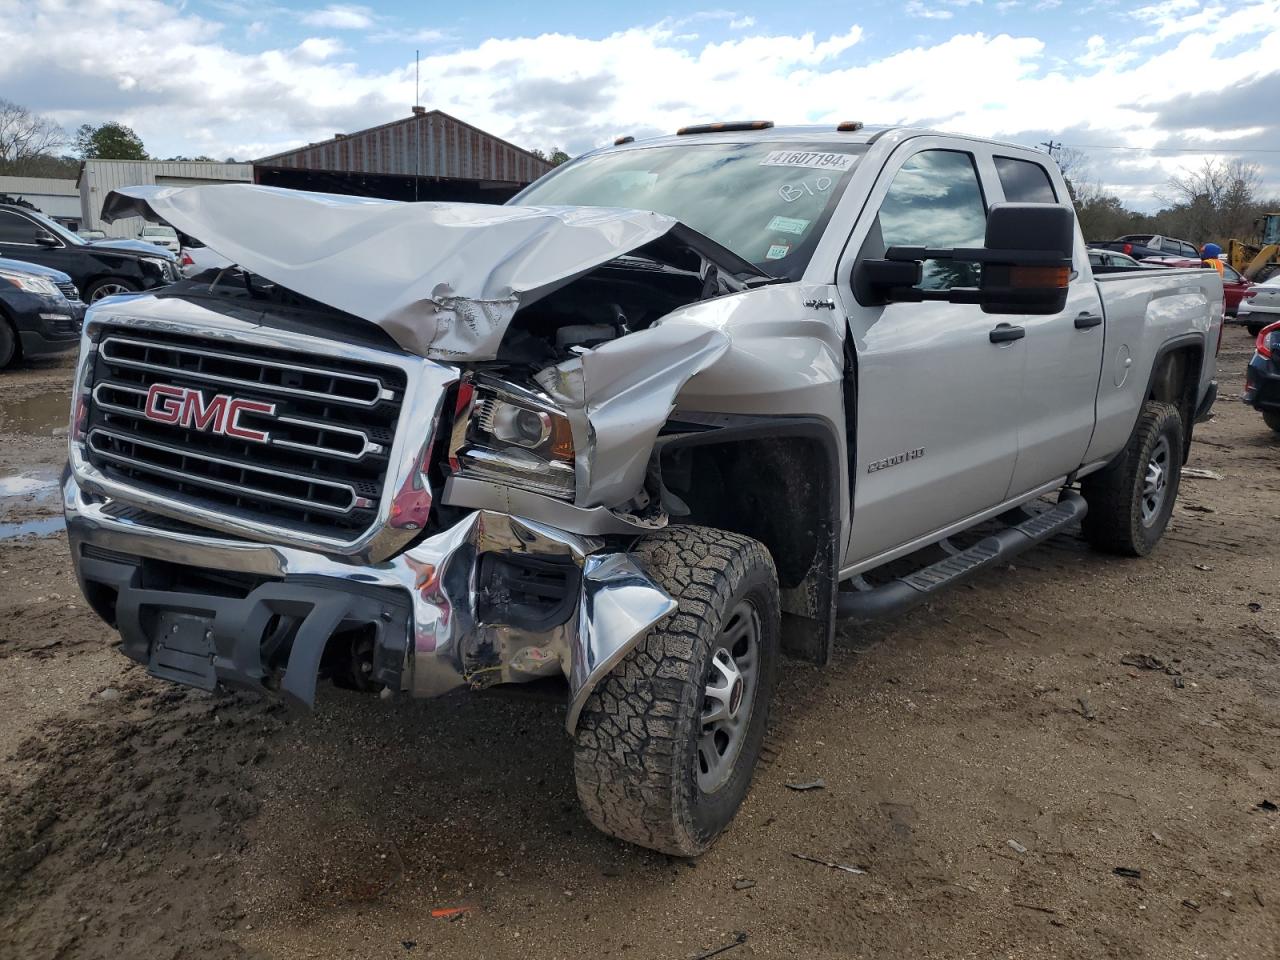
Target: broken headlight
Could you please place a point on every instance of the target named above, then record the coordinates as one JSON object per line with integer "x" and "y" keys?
{"x": 509, "y": 435}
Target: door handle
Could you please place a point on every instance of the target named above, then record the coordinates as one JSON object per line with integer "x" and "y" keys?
{"x": 1085, "y": 320}
{"x": 1006, "y": 333}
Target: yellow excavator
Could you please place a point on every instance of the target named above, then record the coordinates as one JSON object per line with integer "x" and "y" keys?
{"x": 1257, "y": 261}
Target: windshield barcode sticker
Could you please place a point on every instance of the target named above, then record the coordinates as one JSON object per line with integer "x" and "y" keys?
{"x": 808, "y": 158}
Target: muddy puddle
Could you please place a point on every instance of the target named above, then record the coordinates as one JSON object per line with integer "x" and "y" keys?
{"x": 42, "y": 414}
{"x": 32, "y": 529}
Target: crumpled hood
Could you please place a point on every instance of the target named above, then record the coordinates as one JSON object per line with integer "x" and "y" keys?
{"x": 443, "y": 279}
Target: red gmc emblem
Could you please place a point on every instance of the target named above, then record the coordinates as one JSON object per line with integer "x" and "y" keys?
{"x": 186, "y": 407}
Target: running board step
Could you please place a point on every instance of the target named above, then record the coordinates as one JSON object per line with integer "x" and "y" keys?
{"x": 876, "y": 603}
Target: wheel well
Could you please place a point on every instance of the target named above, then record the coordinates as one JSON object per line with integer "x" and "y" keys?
{"x": 780, "y": 489}
{"x": 1176, "y": 380}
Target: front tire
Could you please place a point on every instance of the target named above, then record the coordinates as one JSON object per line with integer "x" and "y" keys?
{"x": 109, "y": 287}
{"x": 667, "y": 743}
{"x": 1131, "y": 500}
{"x": 1271, "y": 417}
{"x": 1254, "y": 328}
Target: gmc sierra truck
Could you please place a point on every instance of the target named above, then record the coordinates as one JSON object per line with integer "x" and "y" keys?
{"x": 675, "y": 411}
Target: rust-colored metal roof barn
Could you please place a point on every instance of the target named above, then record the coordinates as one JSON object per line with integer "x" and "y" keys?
{"x": 426, "y": 156}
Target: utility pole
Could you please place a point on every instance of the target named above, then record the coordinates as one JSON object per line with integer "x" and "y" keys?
{"x": 1052, "y": 147}
{"x": 417, "y": 133}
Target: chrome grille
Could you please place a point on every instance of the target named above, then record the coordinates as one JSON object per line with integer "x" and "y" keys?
{"x": 69, "y": 290}
{"x": 322, "y": 461}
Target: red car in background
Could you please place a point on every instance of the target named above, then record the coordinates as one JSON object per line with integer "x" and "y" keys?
{"x": 1234, "y": 286}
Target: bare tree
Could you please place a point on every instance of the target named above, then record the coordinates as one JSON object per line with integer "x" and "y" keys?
{"x": 1216, "y": 200}
{"x": 27, "y": 140}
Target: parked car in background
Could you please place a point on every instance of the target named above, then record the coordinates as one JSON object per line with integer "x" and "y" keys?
{"x": 1234, "y": 286}
{"x": 1262, "y": 378}
{"x": 1260, "y": 306}
{"x": 196, "y": 258}
{"x": 161, "y": 236}
{"x": 1110, "y": 258}
{"x": 1143, "y": 245}
{"x": 91, "y": 235}
{"x": 40, "y": 311}
{"x": 97, "y": 269}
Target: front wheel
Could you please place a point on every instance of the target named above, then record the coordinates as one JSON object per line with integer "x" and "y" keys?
{"x": 1131, "y": 500}
{"x": 1271, "y": 417}
{"x": 1254, "y": 328}
{"x": 8, "y": 343}
{"x": 667, "y": 743}
{"x": 108, "y": 287}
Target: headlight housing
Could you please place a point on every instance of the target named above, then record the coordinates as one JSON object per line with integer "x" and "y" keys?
{"x": 31, "y": 283}
{"x": 513, "y": 436}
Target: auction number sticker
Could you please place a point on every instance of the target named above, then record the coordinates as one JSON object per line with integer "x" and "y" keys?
{"x": 788, "y": 225}
{"x": 778, "y": 251}
{"x": 808, "y": 158}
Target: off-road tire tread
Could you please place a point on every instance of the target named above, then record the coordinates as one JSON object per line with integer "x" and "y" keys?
{"x": 1114, "y": 521}
{"x": 629, "y": 730}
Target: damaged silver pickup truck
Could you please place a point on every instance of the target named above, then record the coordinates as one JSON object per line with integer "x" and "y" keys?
{"x": 673, "y": 413}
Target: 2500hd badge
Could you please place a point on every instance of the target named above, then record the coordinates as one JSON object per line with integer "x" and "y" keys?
{"x": 876, "y": 465}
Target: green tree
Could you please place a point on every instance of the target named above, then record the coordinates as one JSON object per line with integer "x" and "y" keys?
{"x": 555, "y": 157}
{"x": 109, "y": 141}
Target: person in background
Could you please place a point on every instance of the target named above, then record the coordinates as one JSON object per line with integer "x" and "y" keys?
{"x": 1211, "y": 255}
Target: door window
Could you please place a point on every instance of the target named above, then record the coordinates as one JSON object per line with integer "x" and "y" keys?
{"x": 935, "y": 200}
{"x": 1229, "y": 275}
{"x": 1024, "y": 181}
{"x": 16, "y": 229}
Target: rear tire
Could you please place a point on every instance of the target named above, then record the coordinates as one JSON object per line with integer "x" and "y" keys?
{"x": 1131, "y": 500}
{"x": 1254, "y": 328}
{"x": 651, "y": 767}
{"x": 1272, "y": 418}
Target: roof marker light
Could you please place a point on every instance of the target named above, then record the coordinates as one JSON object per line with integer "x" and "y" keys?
{"x": 849, "y": 126}
{"x": 621, "y": 140}
{"x": 724, "y": 127}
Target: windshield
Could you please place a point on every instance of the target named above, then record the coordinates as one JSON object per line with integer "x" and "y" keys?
{"x": 767, "y": 202}
{"x": 156, "y": 231}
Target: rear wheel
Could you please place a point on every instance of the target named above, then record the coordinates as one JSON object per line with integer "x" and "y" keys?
{"x": 1130, "y": 501}
{"x": 1254, "y": 328}
{"x": 1272, "y": 418}
{"x": 666, "y": 745}
{"x": 108, "y": 287}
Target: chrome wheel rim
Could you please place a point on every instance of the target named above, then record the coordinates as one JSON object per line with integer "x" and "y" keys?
{"x": 1155, "y": 484}
{"x": 728, "y": 696}
{"x": 108, "y": 290}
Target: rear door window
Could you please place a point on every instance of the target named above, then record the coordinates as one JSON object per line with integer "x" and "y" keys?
{"x": 16, "y": 229}
{"x": 1024, "y": 181}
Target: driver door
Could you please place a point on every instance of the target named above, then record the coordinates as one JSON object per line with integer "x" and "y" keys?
{"x": 18, "y": 240}
{"x": 938, "y": 385}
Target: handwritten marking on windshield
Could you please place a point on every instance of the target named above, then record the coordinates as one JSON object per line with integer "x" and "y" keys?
{"x": 791, "y": 192}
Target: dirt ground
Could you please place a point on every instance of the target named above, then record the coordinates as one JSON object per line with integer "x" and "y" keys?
{"x": 1011, "y": 773}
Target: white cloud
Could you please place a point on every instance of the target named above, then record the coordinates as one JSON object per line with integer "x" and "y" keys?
{"x": 917, "y": 8}
{"x": 341, "y": 16}
{"x": 170, "y": 75}
{"x": 742, "y": 23}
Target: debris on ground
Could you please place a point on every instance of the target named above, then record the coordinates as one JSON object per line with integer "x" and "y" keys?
{"x": 828, "y": 863}
{"x": 1019, "y": 848}
{"x": 449, "y": 913}
{"x": 738, "y": 940}
{"x": 1143, "y": 661}
{"x": 1268, "y": 806}
{"x": 1192, "y": 905}
{"x": 1197, "y": 507}
{"x": 1131, "y": 872}
{"x": 742, "y": 883}
{"x": 1255, "y": 607}
{"x": 1086, "y": 711}
{"x": 1032, "y": 906}
{"x": 1204, "y": 567}
{"x": 818, "y": 784}
{"x": 1198, "y": 473}
{"x": 408, "y": 944}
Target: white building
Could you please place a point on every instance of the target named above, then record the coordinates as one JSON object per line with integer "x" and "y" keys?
{"x": 99, "y": 177}
{"x": 59, "y": 199}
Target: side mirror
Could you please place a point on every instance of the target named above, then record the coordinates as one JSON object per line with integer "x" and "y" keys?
{"x": 1026, "y": 264}
{"x": 46, "y": 239}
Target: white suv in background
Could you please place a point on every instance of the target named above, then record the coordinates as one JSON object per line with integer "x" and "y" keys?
{"x": 161, "y": 236}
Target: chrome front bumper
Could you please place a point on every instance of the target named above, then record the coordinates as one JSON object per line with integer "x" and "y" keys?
{"x": 447, "y": 645}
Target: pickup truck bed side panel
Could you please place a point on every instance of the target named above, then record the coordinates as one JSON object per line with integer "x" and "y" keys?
{"x": 1143, "y": 313}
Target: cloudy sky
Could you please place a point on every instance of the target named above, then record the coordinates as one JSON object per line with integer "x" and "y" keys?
{"x": 1141, "y": 90}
